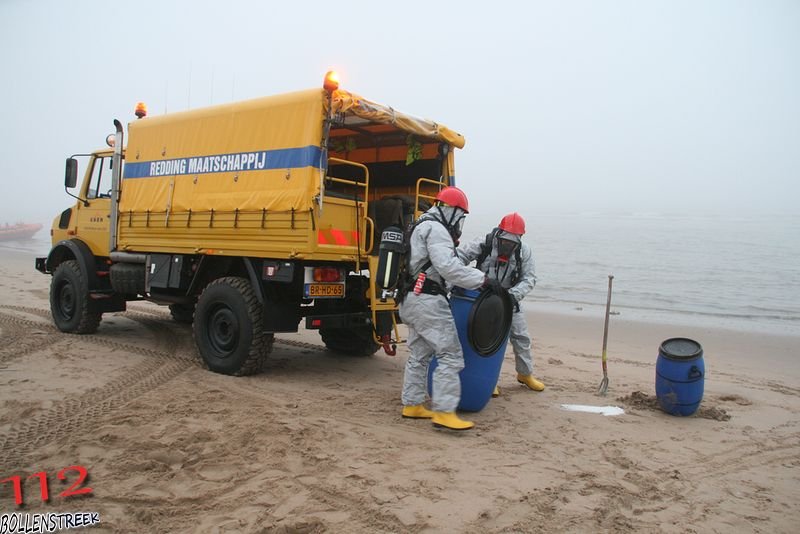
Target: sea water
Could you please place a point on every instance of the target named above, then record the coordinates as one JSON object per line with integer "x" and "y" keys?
{"x": 728, "y": 271}
{"x": 39, "y": 244}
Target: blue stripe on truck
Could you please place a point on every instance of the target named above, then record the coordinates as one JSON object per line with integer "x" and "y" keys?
{"x": 285, "y": 158}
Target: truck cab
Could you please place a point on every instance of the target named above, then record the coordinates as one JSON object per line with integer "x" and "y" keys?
{"x": 91, "y": 214}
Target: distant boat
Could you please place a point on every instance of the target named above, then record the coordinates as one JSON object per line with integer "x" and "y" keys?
{"x": 18, "y": 232}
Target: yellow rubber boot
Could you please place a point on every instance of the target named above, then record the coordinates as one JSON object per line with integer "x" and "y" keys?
{"x": 531, "y": 382}
{"x": 417, "y": 412}
{"x": 451, "y": 420}
{"x": 496, "y": 392}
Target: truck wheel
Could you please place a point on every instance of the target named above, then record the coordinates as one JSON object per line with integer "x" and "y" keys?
{"x": 182, "y": 313}
{"x": 229, "y": 328}
{"x": 73, "y": 311}
{"x": 353, "y": 342}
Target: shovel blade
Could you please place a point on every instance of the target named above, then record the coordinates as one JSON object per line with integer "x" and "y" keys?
{"x": 603, "y": 389}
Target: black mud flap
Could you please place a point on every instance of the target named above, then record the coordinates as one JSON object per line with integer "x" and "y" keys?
{"x": 105, "y": 302}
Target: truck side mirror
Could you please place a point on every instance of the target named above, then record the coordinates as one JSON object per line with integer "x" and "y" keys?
{"x": 71, "y": 174}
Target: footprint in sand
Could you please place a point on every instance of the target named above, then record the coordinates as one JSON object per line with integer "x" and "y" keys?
{"x": 741, "y": 401}
{"x": 216, "y": 473}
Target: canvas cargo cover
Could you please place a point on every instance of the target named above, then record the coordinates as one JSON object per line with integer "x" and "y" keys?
{"x": 252, "y": 155}
{"x": 261, "y": 154}
{"x": 344, "y": 102}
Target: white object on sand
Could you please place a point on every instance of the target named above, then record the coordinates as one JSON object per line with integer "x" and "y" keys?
{"x": 604, "y": 410}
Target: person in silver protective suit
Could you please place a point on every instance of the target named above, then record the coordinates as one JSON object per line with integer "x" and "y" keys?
{"x": 432, "y": 264}
{"x": 504, "y": 257}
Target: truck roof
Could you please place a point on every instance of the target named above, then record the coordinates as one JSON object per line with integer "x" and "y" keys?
{"x": 356, "y": 108}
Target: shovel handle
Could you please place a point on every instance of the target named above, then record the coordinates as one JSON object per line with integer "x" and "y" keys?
{"x": 608, "y": 312}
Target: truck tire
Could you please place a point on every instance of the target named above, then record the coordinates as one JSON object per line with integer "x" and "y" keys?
{"x": 73, "y": 311}
{"x": 182, "y": 313}
{"x": 128, "y": 278}
{"x": 350, "y": 341}
{"x": 228, "y": 328}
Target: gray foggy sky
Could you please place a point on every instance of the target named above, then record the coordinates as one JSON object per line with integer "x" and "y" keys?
{"x": 567, "y": 106}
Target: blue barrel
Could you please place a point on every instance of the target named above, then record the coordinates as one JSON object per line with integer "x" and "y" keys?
{"x": 483, "y": 321}
{"x": 680, "y": 373}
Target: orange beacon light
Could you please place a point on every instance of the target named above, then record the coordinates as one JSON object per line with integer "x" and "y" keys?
{"x": 141, "y": 110}
{"x": 331, "y": 82}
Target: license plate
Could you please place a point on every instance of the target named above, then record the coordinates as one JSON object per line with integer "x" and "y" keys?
{"x": 321, "y": 291}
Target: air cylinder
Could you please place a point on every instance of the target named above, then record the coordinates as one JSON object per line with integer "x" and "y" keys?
{"x": 390, "y": 252}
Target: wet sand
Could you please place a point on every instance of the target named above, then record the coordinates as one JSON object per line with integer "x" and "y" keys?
{"x": 316, "y": 443}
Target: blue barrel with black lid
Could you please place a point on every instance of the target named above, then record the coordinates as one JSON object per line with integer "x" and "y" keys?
{"x": 483, "y": 322}
{"x": 680, "y": 376}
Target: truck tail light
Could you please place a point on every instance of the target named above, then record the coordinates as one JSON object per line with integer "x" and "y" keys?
{"x": 328, "y": 274}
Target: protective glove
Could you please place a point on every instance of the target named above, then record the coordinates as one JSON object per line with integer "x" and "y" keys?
{"x": 514, "y": 302}
{"x": 494, "y": 284}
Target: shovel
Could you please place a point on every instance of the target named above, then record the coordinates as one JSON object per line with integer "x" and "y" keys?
{"x": 604, "y": 383}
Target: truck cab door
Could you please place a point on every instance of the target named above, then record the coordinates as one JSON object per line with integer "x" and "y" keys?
{"x": 93, "y": 216}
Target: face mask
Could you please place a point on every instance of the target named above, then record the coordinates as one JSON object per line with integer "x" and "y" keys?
{"x": 455, "y": 221}
{"x": 505, "y": 248}
{"x": 459, "y": 225}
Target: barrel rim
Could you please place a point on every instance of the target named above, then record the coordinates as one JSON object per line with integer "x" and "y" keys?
{"x": 666, "y": 354}
{"x": 482, "y": 295}
{"x": 468, "y": 294}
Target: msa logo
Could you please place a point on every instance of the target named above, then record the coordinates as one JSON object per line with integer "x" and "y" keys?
{"x": 389, "y": 235}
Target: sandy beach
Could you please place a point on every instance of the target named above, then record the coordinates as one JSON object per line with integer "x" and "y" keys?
{"x": 316, "y": 443}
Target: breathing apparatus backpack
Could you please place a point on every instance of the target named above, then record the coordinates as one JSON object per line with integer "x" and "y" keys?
{"x": 393, "y": 262}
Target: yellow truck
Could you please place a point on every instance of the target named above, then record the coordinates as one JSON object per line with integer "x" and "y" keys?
{"x": 248, "y": 218}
